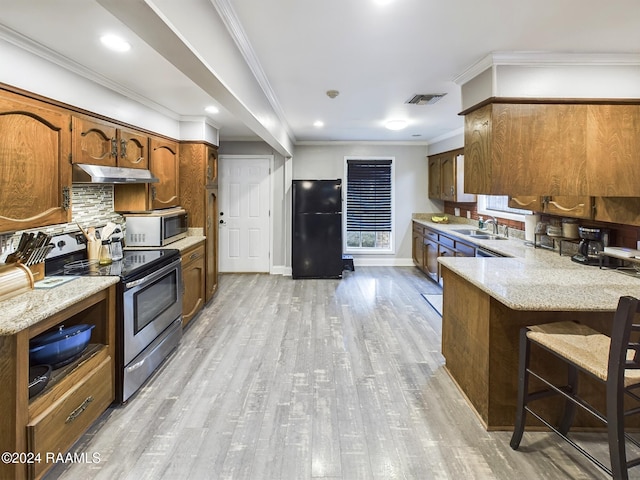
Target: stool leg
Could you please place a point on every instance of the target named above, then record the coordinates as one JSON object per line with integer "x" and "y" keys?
{"x": 569, "y": 406}
{"x": 523, "y": 387}
{"x": 615, "y": 429}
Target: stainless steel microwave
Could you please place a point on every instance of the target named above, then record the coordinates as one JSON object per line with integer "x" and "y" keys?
{"x": 156, "y": 228}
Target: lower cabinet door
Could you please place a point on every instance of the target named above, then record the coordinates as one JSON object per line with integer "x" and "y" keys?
{"x": 57, "y": 428}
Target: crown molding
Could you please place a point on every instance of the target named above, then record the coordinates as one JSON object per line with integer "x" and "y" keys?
{"x": 235, "y": 29}
{"x": 24, "y": 43}
{"x": 540, "y": 59}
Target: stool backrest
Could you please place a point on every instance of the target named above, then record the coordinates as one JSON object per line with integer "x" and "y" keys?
{"x": 621, "y": 341}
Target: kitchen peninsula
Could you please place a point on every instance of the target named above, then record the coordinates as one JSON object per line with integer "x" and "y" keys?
{"x": 487, "y": 300}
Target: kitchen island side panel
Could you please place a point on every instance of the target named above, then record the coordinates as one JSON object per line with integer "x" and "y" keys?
{"x": 480, "y": 345}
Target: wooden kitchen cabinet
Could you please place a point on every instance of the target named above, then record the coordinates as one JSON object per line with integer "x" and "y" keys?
{"x": 199, "y": 196}
{"x": 97, "y": 142}
{"x": 35, "y": 173}
{"x": 164, "y": 163}
{"x": 574, "y": 207}
{"x": 622, "y": 210}
{"x": 553, "y": 149}
{"x": 526, "y": 149}
{"x": 435, "y": 177}
{"x": 211, "y": 244}
{"x": 193, "y": 276}
{"x": 76, "y": 395}
{"x": 613, "y": 147}
{"x": 526, "y": 202}
{"x": 429, "y": 245}
{"x": 446, "y": 177}
{"x": 430, "y": 253}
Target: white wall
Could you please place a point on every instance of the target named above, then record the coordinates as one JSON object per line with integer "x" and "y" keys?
{"x": 326, "y": 161}
{"x": 37, "y": 75}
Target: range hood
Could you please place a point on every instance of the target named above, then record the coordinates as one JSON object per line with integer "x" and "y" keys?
{"x": 84, "y": 173}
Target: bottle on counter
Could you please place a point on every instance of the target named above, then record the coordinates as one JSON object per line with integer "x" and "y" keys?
{"x": 480, "y": 223}
{"x": 105, "y": 253}
{"x": 116, "y": 249}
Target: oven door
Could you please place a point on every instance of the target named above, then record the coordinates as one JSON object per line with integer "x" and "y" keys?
{"x": 151, "y": 304}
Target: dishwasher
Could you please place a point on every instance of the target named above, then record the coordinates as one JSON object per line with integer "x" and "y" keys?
{"x": 483, "y": 252}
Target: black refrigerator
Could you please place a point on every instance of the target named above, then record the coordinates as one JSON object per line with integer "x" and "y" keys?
{"x": 317, "y": 229}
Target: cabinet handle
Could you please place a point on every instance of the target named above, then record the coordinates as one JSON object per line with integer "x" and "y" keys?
{"x": 194, "y": 255}
{"x": 209, "y": 172}
{"x": 565, "y": 209}
{"x": 153, "y": 193}
{"x": 123, "y": 148}
{"x": 66, "y": 198}
{"x": 114, "y": 148}
{"x": 78, "y": 411}
{"x": 523, "y": 204}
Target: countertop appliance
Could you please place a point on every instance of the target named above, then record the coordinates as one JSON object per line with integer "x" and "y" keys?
{"x": 148, "y": 304}
{"x": 156, "y": 228}
{"x": 317, "y": 229}
{"x": 592, "y": 243}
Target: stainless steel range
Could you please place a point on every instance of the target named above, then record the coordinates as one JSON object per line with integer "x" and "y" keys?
{"x": 149, "y": 304}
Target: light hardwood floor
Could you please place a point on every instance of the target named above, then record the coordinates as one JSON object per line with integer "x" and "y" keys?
{"x": 305, "y": 379}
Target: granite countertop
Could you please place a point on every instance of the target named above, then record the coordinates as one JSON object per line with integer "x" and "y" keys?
{"x": 29, "y": 308}
{"x": 536, "y": 279}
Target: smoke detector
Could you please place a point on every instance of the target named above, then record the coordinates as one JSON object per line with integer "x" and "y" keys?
{"x": 425, "y": 98}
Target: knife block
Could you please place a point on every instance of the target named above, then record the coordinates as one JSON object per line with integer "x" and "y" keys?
{"x": 37, "y": 270}
{"x": 15, "y": 279}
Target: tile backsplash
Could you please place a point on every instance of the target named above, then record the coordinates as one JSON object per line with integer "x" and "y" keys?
{"x": 91, "y": 206}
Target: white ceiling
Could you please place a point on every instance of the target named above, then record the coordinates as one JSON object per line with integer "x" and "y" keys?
{"x": 377, "y": 56}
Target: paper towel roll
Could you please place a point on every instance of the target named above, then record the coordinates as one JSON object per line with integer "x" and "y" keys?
{"x": 530, "y": 222}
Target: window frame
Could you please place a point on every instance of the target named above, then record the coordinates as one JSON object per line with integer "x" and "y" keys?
{"x": 392, "y": 240}
{"x": 483, "y": 210}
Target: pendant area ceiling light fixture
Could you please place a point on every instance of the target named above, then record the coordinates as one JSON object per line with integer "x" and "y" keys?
{"x": 318, "y": 124}
{"x": 396, "y": 124}
{"x": 115, "y": 43}
{"x": 212, "y": 109}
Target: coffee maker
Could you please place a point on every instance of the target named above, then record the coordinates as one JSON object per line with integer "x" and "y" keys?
{"x": 592, "y": 243}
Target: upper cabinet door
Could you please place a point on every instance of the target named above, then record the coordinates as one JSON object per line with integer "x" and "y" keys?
{"x": 133, "y": 149}
{"x": 94, "y": 142}
{"x": 212, "y": 166}
{"x": 35, "y": 173}
{"x": 164, "y": 164}
{"x": 435, "y": 187}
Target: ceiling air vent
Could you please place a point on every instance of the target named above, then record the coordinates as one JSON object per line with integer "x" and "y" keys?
{"x": 425, "y": 98}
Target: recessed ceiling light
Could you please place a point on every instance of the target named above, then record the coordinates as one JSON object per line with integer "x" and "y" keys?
{"x": 383, "y": 2}
{"x": 396, "y": 124}
{"x": 212, "y": 109}
{"x": 115, "y": 43}
{"x": 318, "y": 123}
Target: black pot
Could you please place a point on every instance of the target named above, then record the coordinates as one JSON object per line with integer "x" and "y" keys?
{"x": 39, "y": 376}
{"x": 59, "y": 347}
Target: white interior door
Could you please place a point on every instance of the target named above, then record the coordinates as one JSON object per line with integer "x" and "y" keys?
{"x": 244, "y": 189}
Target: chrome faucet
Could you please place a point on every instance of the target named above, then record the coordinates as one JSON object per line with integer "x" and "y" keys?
{"x": 494, "y": 222}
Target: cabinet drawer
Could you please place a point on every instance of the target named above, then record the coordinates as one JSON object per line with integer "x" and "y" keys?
{"x": 193, "y": 254}
{"x": 446, "y": 241}
{"x": 465, "y": 250}
{"x": 58, "y": 427}
{"x": 419, "y": 229}
{"x": 430, "y": 234}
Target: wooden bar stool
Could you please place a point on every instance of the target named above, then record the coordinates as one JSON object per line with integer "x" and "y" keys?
{"x": 613, "y": 360}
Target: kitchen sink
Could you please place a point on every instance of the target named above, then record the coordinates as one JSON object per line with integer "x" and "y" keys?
{"x": 480, "y": 234}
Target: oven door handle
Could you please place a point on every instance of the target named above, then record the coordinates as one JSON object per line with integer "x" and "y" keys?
{"x": 153, "y": 276}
